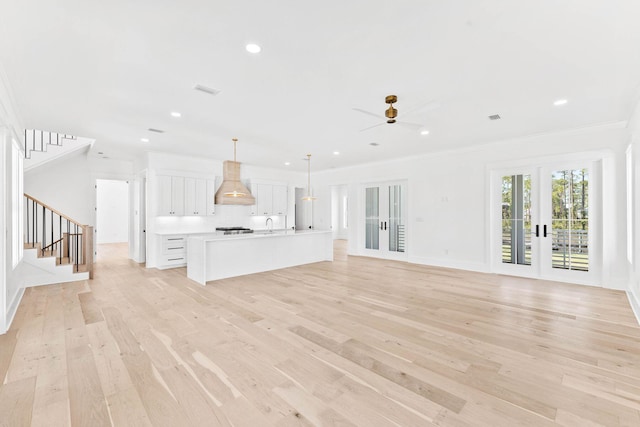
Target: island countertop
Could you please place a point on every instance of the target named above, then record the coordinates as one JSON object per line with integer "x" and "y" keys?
{"x": 213, "y": 256}
{"x": 256, "y": 234}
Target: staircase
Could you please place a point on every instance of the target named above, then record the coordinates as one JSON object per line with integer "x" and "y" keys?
{"x": 42, "y": 147}
{"x": 57, "y": 248}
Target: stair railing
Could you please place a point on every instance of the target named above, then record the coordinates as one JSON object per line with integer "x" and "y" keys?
{"x": 55, "y": 234}
{"x": 37, "y": 140}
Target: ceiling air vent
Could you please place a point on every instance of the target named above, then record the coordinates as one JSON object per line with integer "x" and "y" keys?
{"x": 156, "y": 130}
{"x": 494, "y": 117}
{"x": 207, "y": 90}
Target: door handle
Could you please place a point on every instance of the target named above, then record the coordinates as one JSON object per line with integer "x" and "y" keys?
{"x": 385, "y": 225}
{"x": 544, "y": 231}
{"x": 537, "y": 230}
{"x": 381, "y": 225}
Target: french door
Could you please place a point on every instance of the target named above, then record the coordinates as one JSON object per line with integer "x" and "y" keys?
{"x": 543, "y": 225}
{"x": 385, "y": 220}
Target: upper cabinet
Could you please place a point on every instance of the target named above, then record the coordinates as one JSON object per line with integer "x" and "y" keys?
{"x": 195, "y": 196}
{"x": 170, "y": 195}
{"x": 264, "y": 199}
{"x": 178, "y": 195}
{"x": 271, "y": 199}
{"x": 280, "y": 200}
{"x": 211, "y": 196}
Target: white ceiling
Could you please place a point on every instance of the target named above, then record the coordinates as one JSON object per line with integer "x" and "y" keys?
{"x": 110, "y": 70}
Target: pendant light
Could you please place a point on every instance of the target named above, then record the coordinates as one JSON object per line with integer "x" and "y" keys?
{"x": 237, "y": 187}
{"x": 309, "y": 197}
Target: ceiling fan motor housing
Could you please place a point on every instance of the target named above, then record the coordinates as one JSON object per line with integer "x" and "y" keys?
{"x": 391, "y": 113}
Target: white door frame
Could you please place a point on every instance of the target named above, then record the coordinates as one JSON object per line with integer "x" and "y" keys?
{"x": 383, "y": 251}
{"x": 539, "y": 169}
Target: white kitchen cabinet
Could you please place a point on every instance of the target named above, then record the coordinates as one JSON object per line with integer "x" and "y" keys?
{"x": 195, "y": 196}
{"x": 254, "y": 193}
{"x": 280, "y": 200}
{"x": 170, "y": 195}
{"x": 211, "y": 197}
{"x": 264, "y": 200}
{"x": 271, "y": 199}
{"x": 173, "y": 251}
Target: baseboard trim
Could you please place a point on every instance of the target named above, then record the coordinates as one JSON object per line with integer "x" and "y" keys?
{"x": 635, "y": 304}
{"x": 13, "y": 308}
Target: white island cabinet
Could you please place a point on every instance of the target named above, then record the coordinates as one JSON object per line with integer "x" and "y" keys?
{"x": 215, "y": 257}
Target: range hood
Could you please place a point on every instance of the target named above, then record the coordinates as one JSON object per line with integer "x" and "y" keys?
{"x": 231, "y": 184}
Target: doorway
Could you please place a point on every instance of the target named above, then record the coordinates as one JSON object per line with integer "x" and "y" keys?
{"x": 112, "y": 211}
{"x": 545, "y": 226}
{"x": 303, "y": 210}
{"x": 340, "y": 212}
{"x": 385, "y": 220}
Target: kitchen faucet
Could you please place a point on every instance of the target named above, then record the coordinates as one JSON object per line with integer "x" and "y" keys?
{"x": 270, "y": 219}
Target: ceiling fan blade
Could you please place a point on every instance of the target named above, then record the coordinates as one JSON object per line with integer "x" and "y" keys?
{"x": 424, "y": 108}
{"x": 374, "y": 126}
{"x": 368, "y": 112}
{"x": 410, "y": 125}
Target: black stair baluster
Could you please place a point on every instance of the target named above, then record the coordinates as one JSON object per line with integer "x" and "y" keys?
{"x": 76, "y": 247}
{"x": 44, "y": 230}
{"x": 60, "y": 239}
{"x": 35, "y": 221}
{"x": 52, "y": 232}
{"x": 27, "y": 219}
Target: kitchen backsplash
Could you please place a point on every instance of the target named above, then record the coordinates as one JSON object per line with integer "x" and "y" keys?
{"x": 226, "y": 216}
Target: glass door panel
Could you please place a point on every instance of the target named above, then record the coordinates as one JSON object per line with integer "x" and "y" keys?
{"x": 385, "y": 220}
{"x": 396, "y": 220}
{"x": 372, "y": 218}
{"x": 570, "y": 219}
{"x": 516, "y": 219}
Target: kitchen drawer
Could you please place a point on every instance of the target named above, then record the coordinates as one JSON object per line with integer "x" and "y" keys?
{"x": 173, "y": 245}
{"x": 177, "y": 238}
{"x": 174, "y": 248}
{"x": 173, "y": 260}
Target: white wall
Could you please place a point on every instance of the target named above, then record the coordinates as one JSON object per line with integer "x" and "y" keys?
{"x": 68, "y": 184}
{"x": 112, "y": 211}
{"x": 634, "y": 279}
{"x": 448, "y": 196}
{"x": 11, "y": 290}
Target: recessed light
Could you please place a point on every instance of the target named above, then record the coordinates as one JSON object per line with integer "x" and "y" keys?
{"x": 253, "y": 48}
{"x": 560, "y": 102}
{"x": 336, "y": 153}
{"x": 494, "y": 117}
{"x": 144, "y": 139}
{"x": 374, "y": 144}
{"x": 424, "y": 132}
{"x": 176, "y": 114}
{"x": 287, "y": 163}
{"x": 100, "y": 152}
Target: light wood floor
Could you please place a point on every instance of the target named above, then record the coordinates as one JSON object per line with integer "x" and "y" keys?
{"x": 355, "y": 342}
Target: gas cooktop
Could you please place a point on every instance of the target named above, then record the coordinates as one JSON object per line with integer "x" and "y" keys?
{"x": 234, "y": 230}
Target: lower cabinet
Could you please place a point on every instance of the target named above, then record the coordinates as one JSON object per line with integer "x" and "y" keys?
{"x": 173, "y": 252}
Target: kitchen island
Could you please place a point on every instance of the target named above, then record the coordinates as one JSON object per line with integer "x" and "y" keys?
{"x": 214, "y": 257}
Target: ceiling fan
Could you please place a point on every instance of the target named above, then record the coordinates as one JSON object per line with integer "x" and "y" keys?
{"x": 391, "y": 113}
